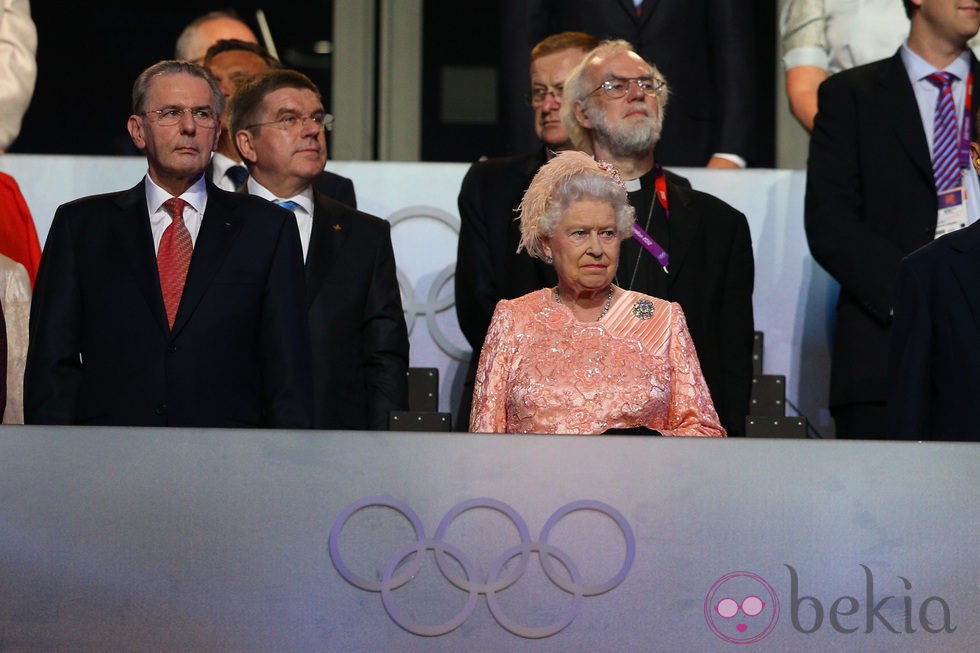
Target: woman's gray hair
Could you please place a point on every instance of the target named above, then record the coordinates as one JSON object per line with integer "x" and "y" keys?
{"x": 569, "y": 177}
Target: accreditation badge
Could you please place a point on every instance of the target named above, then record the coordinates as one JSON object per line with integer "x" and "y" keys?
{"x": 952, "y": 211}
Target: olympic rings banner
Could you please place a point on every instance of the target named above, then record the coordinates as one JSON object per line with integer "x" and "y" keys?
{"x": 127, "y": 539}
{"x": 476, "y": 582}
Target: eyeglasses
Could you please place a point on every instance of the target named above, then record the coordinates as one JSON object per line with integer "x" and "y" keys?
{"x": 752, "y": 606}
{"x": 617, "y": 88}
{"x": 294, "y": 123}
{"x": 169, "y": 116}
{"x": 536, "y": 96}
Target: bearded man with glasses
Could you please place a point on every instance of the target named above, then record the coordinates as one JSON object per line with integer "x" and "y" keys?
{"x": 173, "y": 303}
{"x": 688, "y": 247}
{"x": 357, "y": 326}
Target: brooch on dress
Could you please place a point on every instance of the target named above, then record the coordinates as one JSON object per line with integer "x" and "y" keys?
{"x": 643, "y": 309}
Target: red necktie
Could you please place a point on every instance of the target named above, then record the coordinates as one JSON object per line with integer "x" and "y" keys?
{"x": 174, "y": 257}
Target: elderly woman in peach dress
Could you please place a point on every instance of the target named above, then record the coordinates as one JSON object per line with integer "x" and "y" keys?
{"x": 587, "y": 356}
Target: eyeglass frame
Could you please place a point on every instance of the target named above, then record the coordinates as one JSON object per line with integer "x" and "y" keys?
{"x": 656, "y": 85}
{"x": 554, "y": 91}
{"x": 213, "y": 117}
{"x": 326, "y": 122}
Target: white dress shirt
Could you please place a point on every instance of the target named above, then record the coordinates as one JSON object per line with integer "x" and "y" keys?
{"x": 303, "y": 212}
{"x": 196, "y": 197}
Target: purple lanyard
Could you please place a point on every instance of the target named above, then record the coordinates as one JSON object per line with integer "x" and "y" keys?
{"x": 640, "y": 234}
{"x": 967, "y": 123}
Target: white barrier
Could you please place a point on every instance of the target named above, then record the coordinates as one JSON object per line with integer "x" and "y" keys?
{"x": 793, "y": 299}
{"x": 233, "y": 540}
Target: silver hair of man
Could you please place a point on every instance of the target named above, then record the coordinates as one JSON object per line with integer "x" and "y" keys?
{"x": 579, "y": 86}
{"x": 142, "y": 84}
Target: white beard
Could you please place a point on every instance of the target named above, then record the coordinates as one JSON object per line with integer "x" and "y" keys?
{"x": 620, "y": 140}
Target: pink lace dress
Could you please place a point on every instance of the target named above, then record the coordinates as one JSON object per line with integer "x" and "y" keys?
{"x": 543, "y": 371}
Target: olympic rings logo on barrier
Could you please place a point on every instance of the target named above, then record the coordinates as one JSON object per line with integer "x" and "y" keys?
{"x": 393, "y": 577}
{"x": 435, "y": 301}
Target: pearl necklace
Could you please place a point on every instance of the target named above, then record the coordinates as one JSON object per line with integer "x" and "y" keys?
{"x": 605, "y": 309}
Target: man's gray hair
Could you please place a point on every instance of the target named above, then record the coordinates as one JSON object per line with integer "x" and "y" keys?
{"x": 579, "y": 86}
{"x": 142, "y": 84}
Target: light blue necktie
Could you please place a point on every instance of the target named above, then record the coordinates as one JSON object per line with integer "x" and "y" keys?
{"x": 287, "y": 204}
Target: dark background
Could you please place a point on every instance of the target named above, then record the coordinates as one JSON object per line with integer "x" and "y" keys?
{"x": 89, "y": 55}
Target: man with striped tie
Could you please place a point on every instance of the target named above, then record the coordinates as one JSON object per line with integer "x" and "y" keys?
{"x": 889, "y": 171}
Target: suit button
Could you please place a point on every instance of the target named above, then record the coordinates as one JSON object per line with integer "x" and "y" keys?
{"x": 172, "y": 348}
{"x": 161, "y": 410}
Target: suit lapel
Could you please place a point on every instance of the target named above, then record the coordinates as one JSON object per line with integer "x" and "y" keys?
{"x": 132, "y": 228}
{"x": 899, "y": 104}
{"x": 218, "y": 228}
{"x": 326, "y": 238}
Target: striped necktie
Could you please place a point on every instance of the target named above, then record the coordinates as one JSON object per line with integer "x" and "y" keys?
{"x": 945, "y": 163}
{"x": 174, "y": 257}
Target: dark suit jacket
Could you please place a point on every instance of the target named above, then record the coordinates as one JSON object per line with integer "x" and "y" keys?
{"x": 488, "y": 267}
{"x": 705, "y": 49}
{"x": 360, "y": 341}
{"x": 340, "y": 189}
{"x": 712, "y": 273}
{"x": 101, "y": 351}
{"x": 870, "y": 200}
{"x": 935, "y": 348}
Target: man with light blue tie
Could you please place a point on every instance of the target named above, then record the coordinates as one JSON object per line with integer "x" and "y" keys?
{"x": 889, "y": 171}
{"x": 357, "y": 326}
{"x": 231, "y": 61}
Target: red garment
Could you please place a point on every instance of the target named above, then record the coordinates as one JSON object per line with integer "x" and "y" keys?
{"x": 18, "y": 237}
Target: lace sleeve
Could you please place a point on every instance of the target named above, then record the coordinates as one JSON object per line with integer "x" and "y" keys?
{"x": 690, "y": 411}
{"x": 489, "y": 413}
{"x": 15, "y": 295}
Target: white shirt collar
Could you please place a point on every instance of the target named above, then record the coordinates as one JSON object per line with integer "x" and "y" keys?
{"x": 304, "y": 199}
{"x": 918, "y": 68}
{"x": 196, "y": 195}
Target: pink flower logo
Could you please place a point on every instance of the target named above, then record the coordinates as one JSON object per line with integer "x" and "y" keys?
{"x": 741, "y": 608}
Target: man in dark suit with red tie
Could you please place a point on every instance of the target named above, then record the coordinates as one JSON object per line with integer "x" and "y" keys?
{"x": 172, "y": 303}
{"x": 357, "y": 326}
